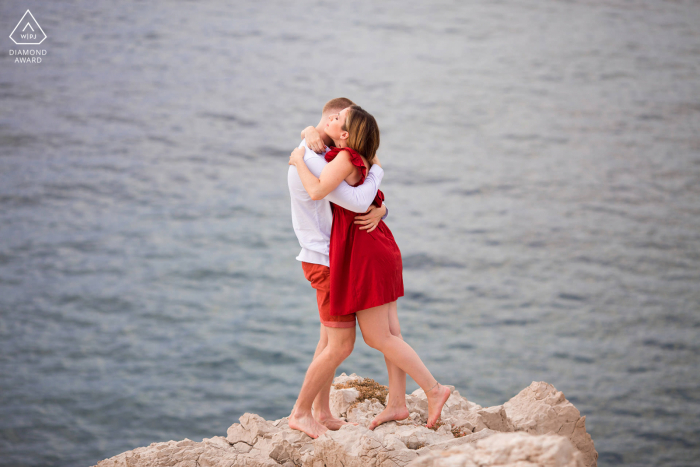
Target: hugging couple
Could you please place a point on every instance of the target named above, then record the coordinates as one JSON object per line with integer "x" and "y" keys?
{"x": 353, "y": 262}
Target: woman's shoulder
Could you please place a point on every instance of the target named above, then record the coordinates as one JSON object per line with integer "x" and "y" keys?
{"x": 341, "y": 156}
{"x": 354, "y": 157}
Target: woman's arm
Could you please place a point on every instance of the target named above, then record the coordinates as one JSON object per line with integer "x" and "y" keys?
{"x": 335, "y": 172}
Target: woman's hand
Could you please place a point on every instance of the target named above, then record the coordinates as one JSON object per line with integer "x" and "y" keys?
{"x": 297, "y": 156}
{"x": 376, "y": 161}
{"x": 314, "y": 140}
{"x": 370, "y": 220}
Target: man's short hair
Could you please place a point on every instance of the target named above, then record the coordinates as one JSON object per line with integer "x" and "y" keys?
{"x": 337, "y": 104}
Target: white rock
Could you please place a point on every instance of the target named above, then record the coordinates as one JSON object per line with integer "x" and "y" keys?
{"x": 415, "y": 437}
{"x": 507, "y": 450}
{"x": 417, "y": 403}
{"x": 209, "y": 453}
{"x": 343, "y": 378}
{"x": 364, "y": 412}
{"x": 237, "y": 434}
{"x": 445, "y": 445}
{"x": 541, "y": 409}
{"x": 258, "y": 426}
{"x": 475, "y": 420}
{"x": 255, "y": 442}
{"x": 341, "y": 399}
{"x": 355, "y": 446}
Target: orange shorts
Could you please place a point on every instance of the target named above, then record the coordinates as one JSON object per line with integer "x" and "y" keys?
{"x": 320, "y": 278}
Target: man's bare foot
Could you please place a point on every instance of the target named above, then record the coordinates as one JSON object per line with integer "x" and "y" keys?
{"x": 389, "y": 414}
{"x": 331, "y": 422}
{"x": 437, "y": 397}
{"x": 307, "y": 424}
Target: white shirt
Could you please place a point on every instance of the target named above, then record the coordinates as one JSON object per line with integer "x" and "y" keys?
{"x": 312, "y": 220}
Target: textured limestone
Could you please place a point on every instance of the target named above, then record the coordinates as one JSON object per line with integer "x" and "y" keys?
{"x": 341, "y": 400}
{"x": 507, "y": 450}
{"x": 364, "y": 412}
{"x": 454, "y": 442}
{"x": 541, "y": 409}
{"x": 536, "y": 427}
{"x": 414, "y": 436}
{"x": 211, "y": 452}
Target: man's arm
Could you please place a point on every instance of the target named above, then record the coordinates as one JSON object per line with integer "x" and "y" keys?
{"x": 303, "y": 132}
{"x": 313, "y": 139}
{"x": 371, "y": 219}
{"x": 356, "y": 199}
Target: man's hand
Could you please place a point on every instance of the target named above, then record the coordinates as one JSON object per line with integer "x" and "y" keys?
{"x": 314, "y": 140}
{"x": 370, "y": 220}
{"x": 297, "y": 156}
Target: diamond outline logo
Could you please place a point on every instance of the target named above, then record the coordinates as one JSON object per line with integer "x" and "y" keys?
{"x": 37, "y": 24}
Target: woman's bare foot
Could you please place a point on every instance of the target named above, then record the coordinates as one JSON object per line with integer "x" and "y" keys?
{"x": 389, "y": 414}
{"x": 331, "y": 422}
{"x": 437, "y": 397}
{"x": 307, "y": 424}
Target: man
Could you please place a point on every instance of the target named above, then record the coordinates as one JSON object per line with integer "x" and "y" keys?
{"x": 312, "y": 221}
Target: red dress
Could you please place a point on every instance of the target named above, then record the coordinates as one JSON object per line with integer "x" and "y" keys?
{"x": 366, "y": 268}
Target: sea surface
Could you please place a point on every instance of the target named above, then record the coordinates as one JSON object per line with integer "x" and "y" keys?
{"x": 542, "y": 172}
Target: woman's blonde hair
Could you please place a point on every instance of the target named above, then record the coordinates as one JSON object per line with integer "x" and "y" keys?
{"x": 363, "y": 132}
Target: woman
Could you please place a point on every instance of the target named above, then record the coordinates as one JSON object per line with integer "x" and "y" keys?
{"x": 366, "y": 269}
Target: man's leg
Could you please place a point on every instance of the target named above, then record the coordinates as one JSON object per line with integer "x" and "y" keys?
{"x": 321, "y": 407}
{"x": 396, "y": 404}
{"x": 322, "y": 343}
{"x": 340, "y": 344}
{"x": 319, "y": 277}
{"x": 322, "y": 403}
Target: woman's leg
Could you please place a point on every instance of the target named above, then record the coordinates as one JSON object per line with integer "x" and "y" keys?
{"x": 374, "y": 323}
{"x": 397, "y": 377}
{"x": 396, "y": 404}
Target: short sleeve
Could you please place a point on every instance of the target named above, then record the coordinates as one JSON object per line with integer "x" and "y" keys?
{"x": 378, "y": 199}
{"x": 355, "y": 159}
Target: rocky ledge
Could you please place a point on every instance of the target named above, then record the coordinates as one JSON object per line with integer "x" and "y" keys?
{"x": 538, "y": 427}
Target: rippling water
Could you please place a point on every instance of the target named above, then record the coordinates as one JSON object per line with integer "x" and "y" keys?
{"x": 542, "y": 172}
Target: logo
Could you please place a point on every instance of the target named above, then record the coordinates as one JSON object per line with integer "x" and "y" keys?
{"x": 28, "y": 31}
